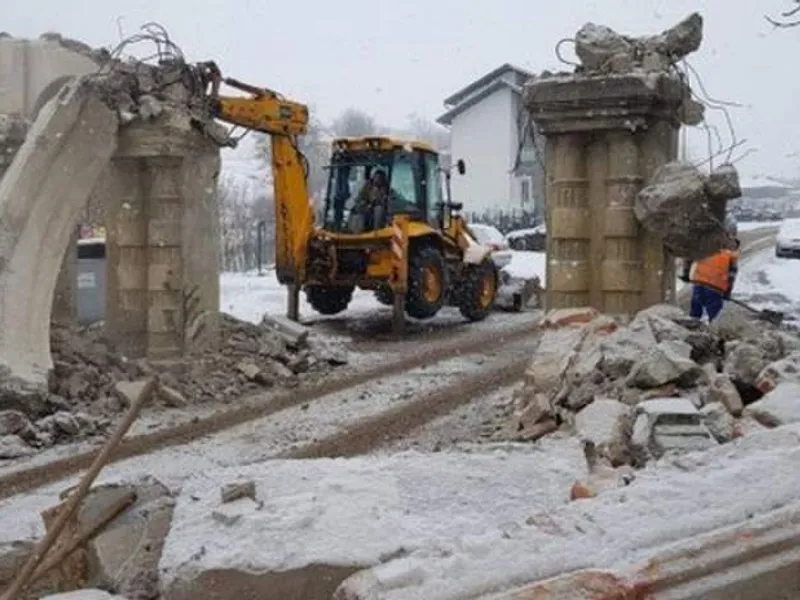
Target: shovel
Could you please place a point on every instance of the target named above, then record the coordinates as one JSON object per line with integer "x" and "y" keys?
{"x": 770, "y": 316}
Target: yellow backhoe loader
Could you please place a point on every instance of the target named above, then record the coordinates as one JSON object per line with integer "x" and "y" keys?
{"x": 386, "y": 225}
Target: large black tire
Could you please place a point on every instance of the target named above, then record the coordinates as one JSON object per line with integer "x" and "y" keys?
{"x": 478, "y": 290}
{"x": 329, "y": 300}
{"x": 427, "y": 283}
{"x": 385, "y": 295}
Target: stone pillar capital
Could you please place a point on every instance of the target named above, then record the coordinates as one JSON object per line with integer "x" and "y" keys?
{"x": 586, "y": 103}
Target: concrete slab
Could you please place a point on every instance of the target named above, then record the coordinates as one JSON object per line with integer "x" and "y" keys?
{"x": 738, "y": 483}
{"x": 41, "y": 196}
{"x": 315, "y": 522}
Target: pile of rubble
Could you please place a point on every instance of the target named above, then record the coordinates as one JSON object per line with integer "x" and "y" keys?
{"x": 90, "y": 383}
{"x": 662, "y": 382}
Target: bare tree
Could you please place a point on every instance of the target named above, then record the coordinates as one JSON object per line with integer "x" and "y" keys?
{"x": 314, "y": 146}
{"x": 353, "y": 123}
{"x": 240, "y": 213}
{"x": 425, "y": 130}
{"x": 788, "y": 18}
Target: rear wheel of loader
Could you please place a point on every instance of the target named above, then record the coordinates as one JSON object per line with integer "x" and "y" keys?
{"x": 385, "y": 295}
{"x": 328, "y": 300}
{"x": 478, "y": 291}
{"x": 426, "y": 283}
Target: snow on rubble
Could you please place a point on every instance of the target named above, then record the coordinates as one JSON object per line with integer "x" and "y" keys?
{"x": 709, "y": 490}
{"x": 338, "y": 516}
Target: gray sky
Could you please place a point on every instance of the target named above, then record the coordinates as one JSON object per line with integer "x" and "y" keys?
{"x": 393, "y": 58}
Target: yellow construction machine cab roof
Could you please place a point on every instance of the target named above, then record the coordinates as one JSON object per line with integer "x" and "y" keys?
{"x": 362, "y": 143}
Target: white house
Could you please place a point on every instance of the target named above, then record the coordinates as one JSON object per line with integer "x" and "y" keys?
{"x": 489, "y": 131}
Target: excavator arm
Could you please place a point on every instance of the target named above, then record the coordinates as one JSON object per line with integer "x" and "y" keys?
{"x": 283, "y": 120}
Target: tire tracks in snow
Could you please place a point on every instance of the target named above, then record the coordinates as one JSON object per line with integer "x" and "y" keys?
{"x": 362, "y": 433}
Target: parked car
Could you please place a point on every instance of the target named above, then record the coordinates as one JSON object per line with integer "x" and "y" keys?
{"x": 787, "y": 243}
{"x": 533, "y": 239}
{"x": 491, "y": 237}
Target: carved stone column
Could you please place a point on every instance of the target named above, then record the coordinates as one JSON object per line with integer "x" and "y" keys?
{"x": 606, "y": 136}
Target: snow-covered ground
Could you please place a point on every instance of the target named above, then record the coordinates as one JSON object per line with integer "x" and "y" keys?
{"x": 771, "y": 282}
{"x": 249, "y": 295}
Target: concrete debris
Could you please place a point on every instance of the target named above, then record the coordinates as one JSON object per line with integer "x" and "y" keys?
{"x": 686, "y": 208}
{"x": 785, "y": 369}
{"x": 639, "y": 390}
{"x": 668, "y": 425}
{"x": 607, "y": 424}
{"x": 719, "y": 420}
{"x": 335, "y": 517}
{"x": 667, "y": 362}
{"x": 601, "y": 49}
{"x": 722, "y": 390}
{"x": 13, "y": 446}
{"x": 779, "y": 407}
{"x": 123, "y": 557}
{"x": 236, "y": 491}
{"x": 92, "y": 383}
{"x": 744, "y": 362}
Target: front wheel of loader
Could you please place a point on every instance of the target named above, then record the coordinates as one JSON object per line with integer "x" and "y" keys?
{"x": 478, "y": 291}
{"x": 427, "y": 283}
{"x": 328, "y": 300}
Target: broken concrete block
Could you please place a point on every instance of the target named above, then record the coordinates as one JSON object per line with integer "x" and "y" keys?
{"x": 667, "y": 362}
{"x": 676, "y": 207}
{"x": 13, "y": 446}
{"x": 779, "y": 407}
{"x": 252, "y": 372}
{"x": 129, "y": 391}
{"x": 66, "y": 422}
{"x": 596, "y": 45}
{"x": 723, "y": 183}
{"x": 237, "y": 491}
{"x": 123, "y": 557}
{"x": 785, "y": 369}
{"x": 14, "y": 422}
{"x": 719, "y": 421}
{"x": 668, "y": 425}
{"x": 721, "y": 390}
{"x": 743, "y": 363}
{"x": 317, "y": 508}
{"x": 295, "y": 334}
{"x": 172, "y": 397}
{"x": 13, "y": 556}
{"x": 607, "y": 424}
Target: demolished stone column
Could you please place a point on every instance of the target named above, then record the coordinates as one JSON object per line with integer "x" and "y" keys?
{"x": 161, "y": 247}
{"x": 609, "y": 127}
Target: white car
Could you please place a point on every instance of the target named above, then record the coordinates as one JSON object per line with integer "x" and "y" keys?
{"x": 787, "y": 244}
{"x": 489, "y": 236}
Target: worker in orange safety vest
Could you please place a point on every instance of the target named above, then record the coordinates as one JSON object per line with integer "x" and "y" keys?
{"x": 713, "y": 278}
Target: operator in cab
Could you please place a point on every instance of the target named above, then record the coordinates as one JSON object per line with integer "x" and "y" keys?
{"x": 713, "y": 278}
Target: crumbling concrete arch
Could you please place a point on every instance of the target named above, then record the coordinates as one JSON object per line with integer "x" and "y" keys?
{"x": 29, "y": 67}
{"x": 71, "y": 141}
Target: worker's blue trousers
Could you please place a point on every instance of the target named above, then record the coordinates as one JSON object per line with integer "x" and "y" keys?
{"x": 704, "y": 298}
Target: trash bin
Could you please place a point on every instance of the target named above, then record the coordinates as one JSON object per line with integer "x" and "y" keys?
{"x": 91, "y": 288}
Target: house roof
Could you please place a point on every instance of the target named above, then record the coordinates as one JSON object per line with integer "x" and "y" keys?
{"x": 478, "y": 83}
{"x": 447, "y": 118}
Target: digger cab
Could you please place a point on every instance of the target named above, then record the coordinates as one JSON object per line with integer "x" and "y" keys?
{"x": 373, "y": 179}
{"x": 387, "y": 227}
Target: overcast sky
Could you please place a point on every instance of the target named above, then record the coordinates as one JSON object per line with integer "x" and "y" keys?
{"x": 394, "y": 58}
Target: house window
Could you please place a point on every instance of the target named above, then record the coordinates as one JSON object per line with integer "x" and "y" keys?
{"x": 525, "y": 191}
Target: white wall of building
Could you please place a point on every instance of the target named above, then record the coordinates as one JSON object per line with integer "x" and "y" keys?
{"x": 481, "y": 135}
